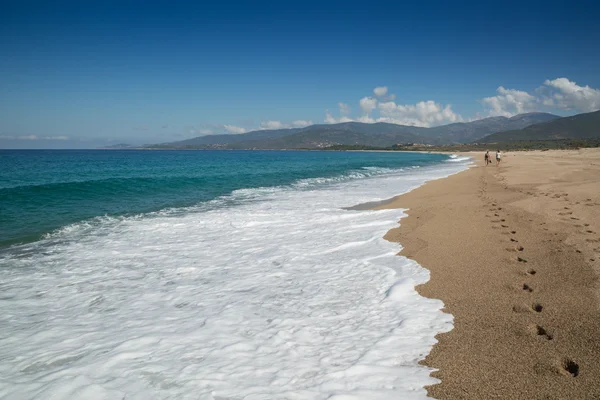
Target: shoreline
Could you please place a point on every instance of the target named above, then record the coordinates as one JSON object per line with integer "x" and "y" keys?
{"x": 514, "y": 254}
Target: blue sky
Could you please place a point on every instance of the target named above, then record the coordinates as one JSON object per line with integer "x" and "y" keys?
{"x": 84, "y": 75}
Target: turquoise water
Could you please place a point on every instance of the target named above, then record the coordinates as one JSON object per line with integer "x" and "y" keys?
{"x": 44, "y": 190}
{"x": 211, "y": 275}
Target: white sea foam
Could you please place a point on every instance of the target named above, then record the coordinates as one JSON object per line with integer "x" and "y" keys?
{"x": 281, "y": 295}
{"x": 456, "y": 158}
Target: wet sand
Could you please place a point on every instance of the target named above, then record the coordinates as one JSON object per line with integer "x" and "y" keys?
{"x": 514, "y": 254}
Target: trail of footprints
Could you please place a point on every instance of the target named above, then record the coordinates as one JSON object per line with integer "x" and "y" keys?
{"x": 568, "y": 367}
{"x": 584, "y": 228}
{"x": 567, "y": 216}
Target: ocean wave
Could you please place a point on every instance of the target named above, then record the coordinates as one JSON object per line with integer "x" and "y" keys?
{"x": 456, "y": 158}
{"x": 284, "y": 293}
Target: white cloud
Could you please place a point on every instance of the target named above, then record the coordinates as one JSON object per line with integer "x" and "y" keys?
{"x": 560, "y": 93}
{"x": 366, "y": 119}
{"x": 344, "y": 108}
{"x": 34, "y": 137}
{"x": 380, "y": 91}
{"x": 302, "y": 123}
{"x": 368, "y": 104}
{"x": 28, "y": 137}
{"x": 272, "y": 125}
{"x": 424, "y": 113}
{"x": 205, "y": 131}
{"x": 234, "y": 129}
{"x": 509, "y": 102}
{"x": 567, "y": 95}
{"x": 330, "y": 119}
{"x": 56, "y": 138}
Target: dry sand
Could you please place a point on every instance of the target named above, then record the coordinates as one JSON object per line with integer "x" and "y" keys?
{"x": 514, "y": 253}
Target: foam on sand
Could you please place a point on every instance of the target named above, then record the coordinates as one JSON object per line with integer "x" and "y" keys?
{"x": 280, "y": 294}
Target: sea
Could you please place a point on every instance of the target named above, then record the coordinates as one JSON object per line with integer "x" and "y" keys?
{"x": 211, "y": 275}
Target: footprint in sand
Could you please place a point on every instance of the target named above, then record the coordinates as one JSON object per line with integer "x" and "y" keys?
{"x": 524, "y": 308}
{"x": 527, "y": 288}
{"x": 541, "y": 332}
{"x": 514, "y": 240}
{"x": 570, "y": 367}
{"x": 531, "y": 272}
{"x": 521, "y": 259}
{"x": 520, "y": 248}
{"x": 521, "y": 308}
{"x": 565, "y": 367}
{"x": 513, "y": 232}
{"x": 504, "y": 226}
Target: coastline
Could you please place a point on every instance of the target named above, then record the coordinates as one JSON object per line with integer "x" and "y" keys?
{"x": 514, "y": 254}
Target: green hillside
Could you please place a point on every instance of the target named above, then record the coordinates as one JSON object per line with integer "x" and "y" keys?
{"x": 581, "y": 126}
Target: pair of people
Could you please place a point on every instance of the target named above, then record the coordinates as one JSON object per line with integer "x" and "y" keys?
{"x": 488, "y": 159}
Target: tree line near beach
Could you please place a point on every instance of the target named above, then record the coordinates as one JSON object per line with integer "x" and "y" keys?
{"x": 560, "y": 144}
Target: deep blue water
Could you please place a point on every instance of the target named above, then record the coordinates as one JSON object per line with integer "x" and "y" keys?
{"x": 43, "y": 190}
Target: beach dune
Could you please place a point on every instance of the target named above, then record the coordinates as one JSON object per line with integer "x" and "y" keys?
{"x": 514, "y": 254}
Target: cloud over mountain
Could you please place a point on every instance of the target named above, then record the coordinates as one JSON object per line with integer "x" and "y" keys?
{"x": 565, "y": 94}
{"x": 559, "y": 93}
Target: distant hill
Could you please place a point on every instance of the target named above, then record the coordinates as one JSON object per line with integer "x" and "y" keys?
{"x": 581, "y": 126}
{"x": 359, "y": 134}
{"x": 119, "y": 146}
{"x": 348, "y": 133}
{"x": 212, "y": 140}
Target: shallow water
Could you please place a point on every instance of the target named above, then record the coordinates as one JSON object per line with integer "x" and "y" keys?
{"x": 273, "y": 292}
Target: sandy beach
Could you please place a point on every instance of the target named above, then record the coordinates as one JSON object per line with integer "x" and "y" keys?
{"x": 514, "y": 254}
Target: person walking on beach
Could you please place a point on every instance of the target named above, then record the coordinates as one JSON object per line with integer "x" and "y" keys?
{"x": 487, "y": 158}
{"x": 498, "y": 157}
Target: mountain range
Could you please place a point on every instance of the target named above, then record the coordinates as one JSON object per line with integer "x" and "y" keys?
{"x": 377, "y": 134}
{"x": 581, "y": 126}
